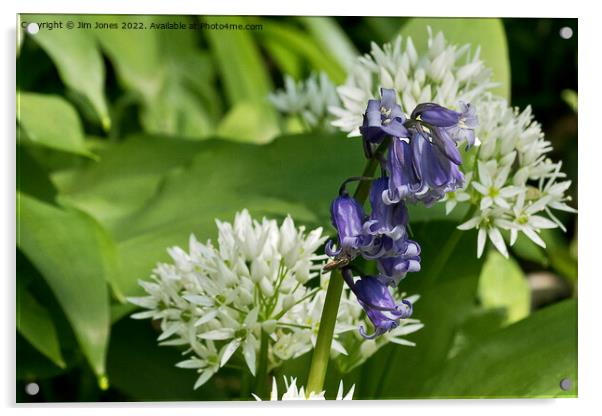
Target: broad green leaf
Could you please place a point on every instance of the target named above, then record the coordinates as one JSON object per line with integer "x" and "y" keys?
{"x": 317, "y": 57}
{"x": 36, "y": 326}
{"x": 49, "y": 120}
{"x": 126, "y": 177}
{"x": 72, "y": 260}
{"x": 526, "y": 359}
{"x": 502, "y": 284}
{"x": 173, "y": 78}
{"x": 79, "y": 62}
{"x": 134, "y": 53}
{"x": 329, "y": 34}
{"x": 241, "y": 69}
{"x": 248, "y": 122}
{"x": 487, "y": 33}
{"x": 151, "y": 193}
{"x": 32, "y": 178}
{"x": 528, "y": 250}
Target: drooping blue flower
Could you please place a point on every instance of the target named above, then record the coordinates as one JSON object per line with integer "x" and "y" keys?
{"x": 449, "y": 125}
{"x": 383, "y": 118}
{"x": 406, "y": 260}
{"x": 377, "y": 301}
{"x": 348, "y": 218}
{"x": 435, "y": 170}
{"x": 386, "y": 224}
{"x": 420, "y": 171}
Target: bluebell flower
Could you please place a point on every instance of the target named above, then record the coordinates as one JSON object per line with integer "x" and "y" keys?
{"x": 405, "y": 260}
{"x": 348, "y": 218}
{"x": 377, "y": 301}
{"x": 420, "y": 171}
{"x": 386, "y": 224}
{"x": 383, "y": 118}
{"x": 449, "y": 126}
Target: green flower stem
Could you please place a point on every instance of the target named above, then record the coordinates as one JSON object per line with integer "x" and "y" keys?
{"x": 262, "y": 382}
{"x": 319, "y": 362}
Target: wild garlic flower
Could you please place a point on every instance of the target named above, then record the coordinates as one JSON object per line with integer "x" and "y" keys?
{"x": 216, "y": 301}
{"x": 514, "y": 186}
{"x": 309, "y": 99}
{"x": 446, "y": 74}
{"x": 295, "y": 393}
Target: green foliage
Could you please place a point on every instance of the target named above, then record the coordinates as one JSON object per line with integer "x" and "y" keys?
{"x": 35, "y": 324}
{"x": 495, "y": 367}
{"x": 80, "y": 66}
{"x": 502, "y": 284}
{"x": 487, "y": 33}
{"x": 70, "y": 254}
{"x": 181, "y": 133}
{"x": 49, "y": 120}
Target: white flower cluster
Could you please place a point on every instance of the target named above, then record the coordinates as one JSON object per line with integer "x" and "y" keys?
{"x": 215, "y": 301}
{"x": 513, "y": 180}
{"x": 309, "y": 99}
{"x": 295, "y": 393}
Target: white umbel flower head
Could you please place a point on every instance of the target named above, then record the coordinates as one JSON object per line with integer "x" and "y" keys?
{"x": 513, "y": 179}
{"x": 295, "y": 393}
{"x": 309, "y": 99}
{"x": 216, "y": 301}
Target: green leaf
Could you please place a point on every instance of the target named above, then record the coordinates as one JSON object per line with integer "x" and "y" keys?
{"x": 502, "y": 284}
{"x": 79, "y": 63}
{"x": 36, "y": 326}
{"x": 32, "y": 178}
{"x": 248, "y": 122}
{"x": 171, "y": 76}
{"x": 528, "y": 250}
{"x": 488, "y": 33}
{"x": 49, "y": 120}
{"x": 526, "y": 359}
{"x": 327, "y": 32}
{"x": 72, "y": 260}
{"x": 151, "y": 193}
{"x": 241, "y": 69}
{"x": 319, "y": 58}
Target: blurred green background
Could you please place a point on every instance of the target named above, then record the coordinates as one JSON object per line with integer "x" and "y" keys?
{"x": 129, "y": 140}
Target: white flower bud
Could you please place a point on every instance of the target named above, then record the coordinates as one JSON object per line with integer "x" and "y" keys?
{"x": 368, "y": 348}
{"x": 269, "y": 326}
{"x": 259, "y": 270}
{"x": 266, "y": 287}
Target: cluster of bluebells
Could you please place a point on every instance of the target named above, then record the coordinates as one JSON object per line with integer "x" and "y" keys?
{"x": 215, "y": 301}
{"x": 512, "y": 187}
{"x": 421, "y": 166}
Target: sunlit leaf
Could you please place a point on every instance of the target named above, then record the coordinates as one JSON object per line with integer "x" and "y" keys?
{"x": 78, "y": 61}
{"x": 502, "y": 284}
{"x": 545, "y": 344}
{"x": 71, "y": 259}
{"x": 35, "y": 324}
{"x": 49, "y": 120}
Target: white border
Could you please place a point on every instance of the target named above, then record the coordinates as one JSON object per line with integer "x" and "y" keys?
{"x": 590, "y": 348}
